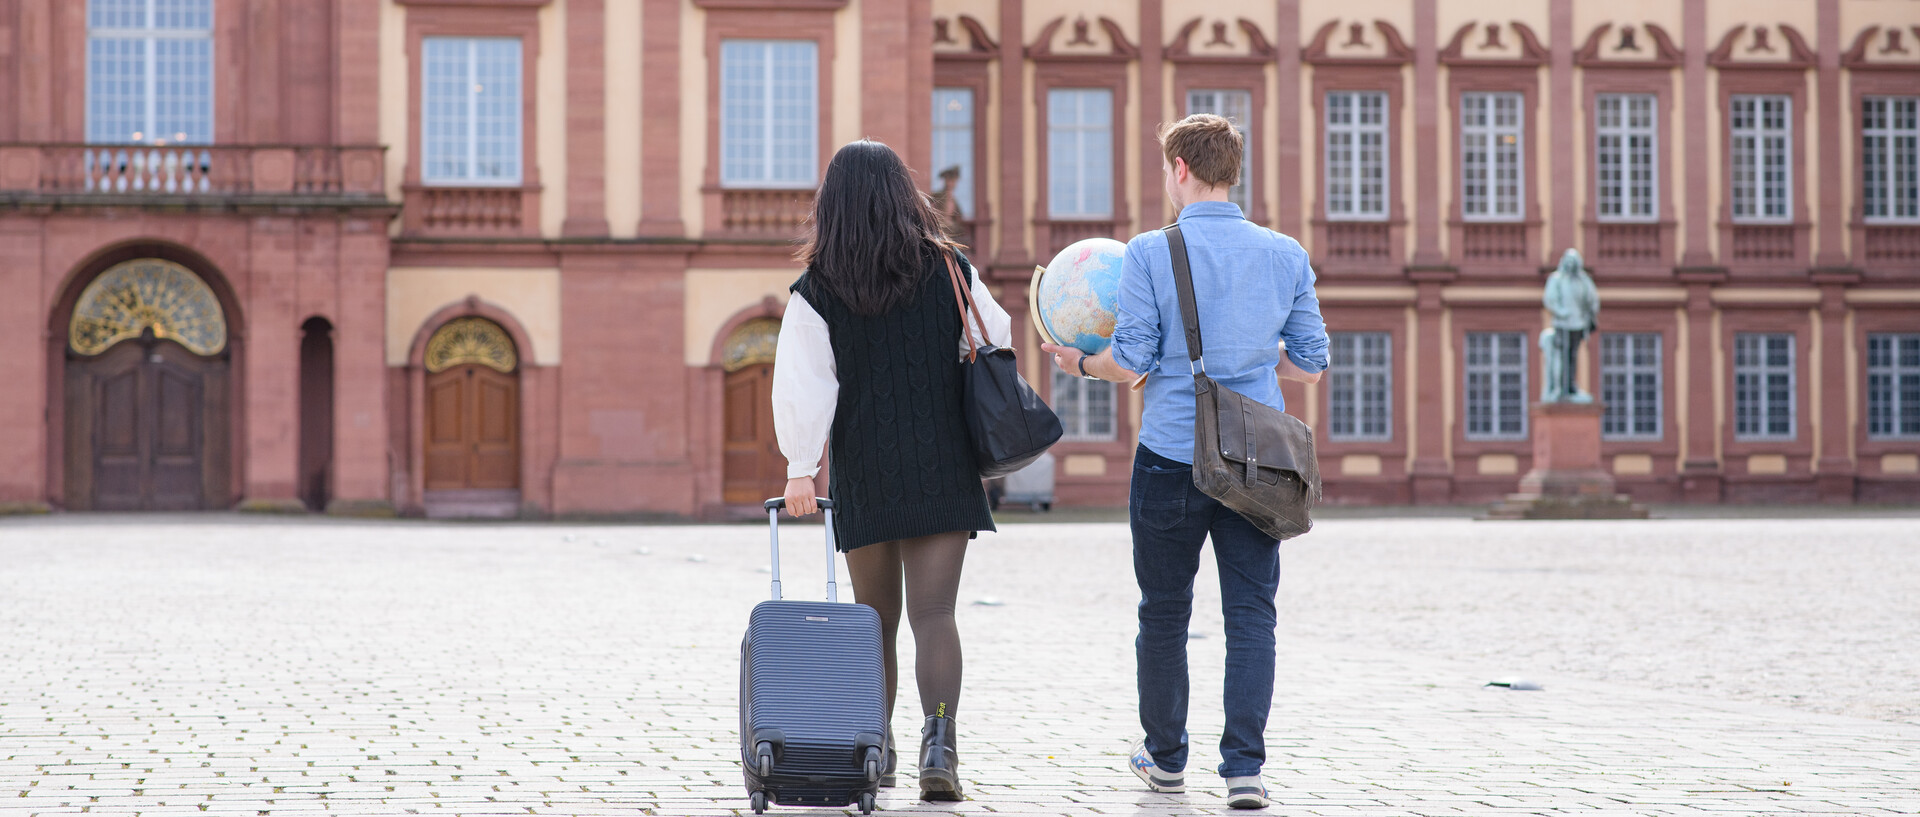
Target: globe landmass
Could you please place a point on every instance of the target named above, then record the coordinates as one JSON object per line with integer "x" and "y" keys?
{"x": 1077, "y": 297}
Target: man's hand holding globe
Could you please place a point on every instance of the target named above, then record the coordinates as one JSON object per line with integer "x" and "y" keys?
{"x": 1073, "y": 302}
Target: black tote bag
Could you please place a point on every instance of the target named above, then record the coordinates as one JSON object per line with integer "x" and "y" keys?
{"x": 1009, "y": 423}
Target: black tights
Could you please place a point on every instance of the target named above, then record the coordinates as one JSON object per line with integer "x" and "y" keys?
{"x": 931, "y": 565}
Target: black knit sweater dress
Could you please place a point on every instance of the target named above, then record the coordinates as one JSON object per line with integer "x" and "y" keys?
{"x": 900, "y": 461}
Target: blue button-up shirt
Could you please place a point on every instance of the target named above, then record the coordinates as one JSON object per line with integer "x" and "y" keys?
{"x": 1254, "y": 289}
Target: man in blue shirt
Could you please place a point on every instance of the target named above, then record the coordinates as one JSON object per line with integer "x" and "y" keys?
{"x": 1254, "y": 290}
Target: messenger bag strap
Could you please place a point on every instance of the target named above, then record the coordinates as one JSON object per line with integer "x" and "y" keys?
{"x": 1183, "y": 281}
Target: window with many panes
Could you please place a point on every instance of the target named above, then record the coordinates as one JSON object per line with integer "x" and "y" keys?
{"x": 1890, "y": 158}
{"x": 1763, "y": 386}
{"x": 1086, "y": 407}
{"x": 1490, "y": 156}
{"x": 1630, "y": 386}
{"x": 1236, "y": 106}
{"x": 1624, "y": 157}
{"x": 150, "y": 71}
{"x": 470, "y": 123}
{"x": 953, "y": 145}
{"x": 1893, "y": 386}
{"x": 1496, "y": 385}
{"x": 769, "y": 113}
{"x": 1359, "y": 386}
{"x": 1762, "y": 152}
{"x": 1080, "y": 153}
{"x": 1356, "y": 155}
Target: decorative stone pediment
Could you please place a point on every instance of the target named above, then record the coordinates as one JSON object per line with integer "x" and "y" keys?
{"x": 963, "y": 35}
{"x": 1762, "y": 46}
{"x": 1484, "y": 43}
{"x": 1080, "y": 39}
{"x": 1214, "y": 39}
{"x": 1628, "y": 45}
{"x": 471, "y": 340}
{"x": 1884, "y": 48}
{"x": 1355, "y": 42}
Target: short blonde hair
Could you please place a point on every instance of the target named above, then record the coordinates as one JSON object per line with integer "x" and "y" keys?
{"x": 1209, "y": 144}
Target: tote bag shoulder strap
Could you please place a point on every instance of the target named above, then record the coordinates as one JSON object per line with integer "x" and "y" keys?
{"x": 1183, "y": 281}
{"x": 961, "y": 298}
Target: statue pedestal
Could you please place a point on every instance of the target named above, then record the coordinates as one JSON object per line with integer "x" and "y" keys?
{"x": 1567, "y": 480}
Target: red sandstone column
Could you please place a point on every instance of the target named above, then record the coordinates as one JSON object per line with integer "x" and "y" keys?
{"x": 23, "y": 321}
{"x": 271, "y": 387}
{"x": 1700, "y": 468}
{"x": 1835, "y": 477}
{"x": 1432, "y": 477}
{"x": 586, "y": 119}
{"x": 1426, "y": 140}
{"x": 1011, "y": 250}
{"x": 1831, "y": 217}
{"x": 1560, "y": 107}
{"x": 1288, "y": 218}
{"x": 1693, "y": 16}
{"x": 919, "y": 49}
{"x": 357, "y": 88}
{"x": 1153, "y": 211}
{"x": 883, "y": 76}
{"x": 660, "y": 122}
{"x": 362, "y": 479}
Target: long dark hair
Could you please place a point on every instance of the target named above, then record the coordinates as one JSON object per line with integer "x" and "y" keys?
{"x": 873, "y": 231}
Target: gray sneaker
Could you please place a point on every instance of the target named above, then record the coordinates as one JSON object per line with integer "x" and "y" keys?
{"x": 1246, "y": 792}
{"x": 1156, "y": 778}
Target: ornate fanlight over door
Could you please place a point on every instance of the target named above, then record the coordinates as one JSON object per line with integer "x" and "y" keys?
{"x": 471, "y": 340}
{"x": 751, "y": 344}
{"x": 147, "y": 293}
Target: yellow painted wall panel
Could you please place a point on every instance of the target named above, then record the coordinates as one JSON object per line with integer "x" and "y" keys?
{"x": 531, "y": 296}
{"x": 716, "y": 295}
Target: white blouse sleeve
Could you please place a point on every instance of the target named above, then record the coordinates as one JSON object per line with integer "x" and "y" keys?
{"x": 806, "y": 389}
{"x": 999, "y": 326}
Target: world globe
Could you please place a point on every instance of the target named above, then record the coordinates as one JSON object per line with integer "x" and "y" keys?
{"x": 1075, "y": 297}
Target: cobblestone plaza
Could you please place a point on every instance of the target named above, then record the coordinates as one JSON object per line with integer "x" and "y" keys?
{"x": 250, "y": 666}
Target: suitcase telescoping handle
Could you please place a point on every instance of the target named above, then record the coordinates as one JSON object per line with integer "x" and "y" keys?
{"x": 774, "y": 506}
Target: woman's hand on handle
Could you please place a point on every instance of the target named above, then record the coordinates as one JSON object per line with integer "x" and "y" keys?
{"x": 800, "y": 501}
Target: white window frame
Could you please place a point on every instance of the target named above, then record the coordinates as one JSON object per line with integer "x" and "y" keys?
{"x": 1499, "y": 140}
{"x": 1239, "y": 111}
{"x": 1067, "y": 149}
{"x": 953, "y": 144}
{"x": 1493, "y": 370}
{"x": 1890, "y": 371}
{"x": 473, "y": 161}
{"x": 1353, "y": 380}
{"x": 1343, "y": 164}
{"x": 804, "y": 172}
{"x": 1890, "y": 147}
{"x": 1077, "y": 417}
{"x": 150, "y": 36}
{"x": 1751, "y": 147}
{"x": 1746, "y": 389}
{"x": 1624, "y": 145}
{"x": 1624, "y": 371}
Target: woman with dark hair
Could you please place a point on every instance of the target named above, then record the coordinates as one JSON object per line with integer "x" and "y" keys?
{"x": 868, "y": 367}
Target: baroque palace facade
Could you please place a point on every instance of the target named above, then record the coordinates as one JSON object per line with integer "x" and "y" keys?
{"x": 528, "y": 257}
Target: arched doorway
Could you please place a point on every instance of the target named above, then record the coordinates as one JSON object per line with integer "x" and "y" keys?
{"x": 472, "y": 420}
{"x": 752, "y": 468}
{"x": 316, "y": 413}
{"x": 146, "y": 416}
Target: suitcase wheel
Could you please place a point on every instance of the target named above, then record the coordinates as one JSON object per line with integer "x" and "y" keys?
{"x": 759, "y": 802}
{"x": 866, "y": 803}
{"x": 765, "y": 752}
{"x": 873, "y": 765}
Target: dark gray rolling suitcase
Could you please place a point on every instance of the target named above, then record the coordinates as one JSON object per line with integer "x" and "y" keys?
{"x": 813, "y": 726}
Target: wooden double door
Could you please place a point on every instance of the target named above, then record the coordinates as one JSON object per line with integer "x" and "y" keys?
{"x": 752, "y": 468}
{"x": 473, "y": 429}
{"x": 147, "y": 429}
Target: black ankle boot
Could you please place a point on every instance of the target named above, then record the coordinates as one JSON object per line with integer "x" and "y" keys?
{"x": 889, "y": 776}
{"x": 939, "y": 760}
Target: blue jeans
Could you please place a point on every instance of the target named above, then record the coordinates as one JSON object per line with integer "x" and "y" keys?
{"x": 1171, "y": 520}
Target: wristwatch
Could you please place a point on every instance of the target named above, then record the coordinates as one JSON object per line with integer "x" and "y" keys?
{"x": 1083, "y": 369}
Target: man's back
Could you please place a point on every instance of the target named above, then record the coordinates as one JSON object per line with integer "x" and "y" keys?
{"x": 1254, "y": 289}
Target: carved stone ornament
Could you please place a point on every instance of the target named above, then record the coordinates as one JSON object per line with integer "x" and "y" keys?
{"x": 751, "y": 345}
{"x": 471, "y": 340}
{"x": 147, "y": 293}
